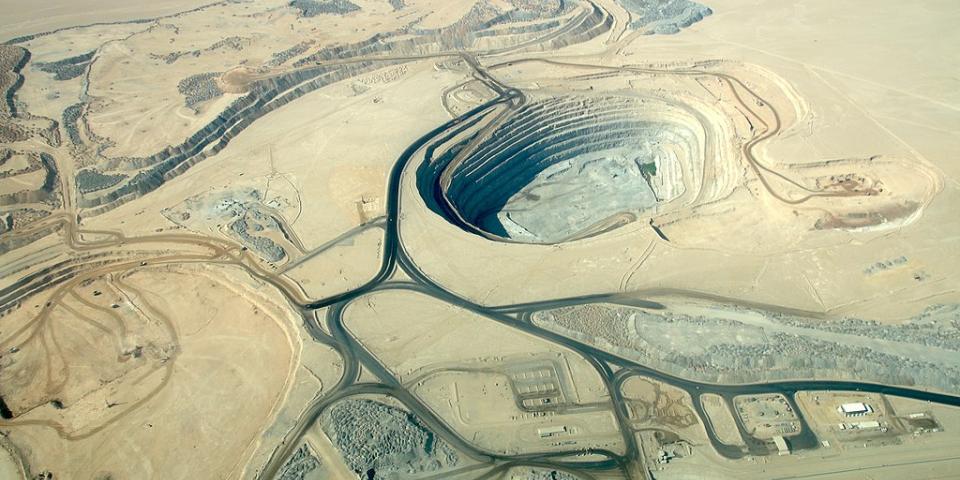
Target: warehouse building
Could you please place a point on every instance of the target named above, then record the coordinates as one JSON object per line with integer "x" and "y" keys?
{"x": 855, "y": 409}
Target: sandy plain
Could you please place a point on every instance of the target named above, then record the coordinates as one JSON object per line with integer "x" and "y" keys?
{"x": 188, "y": 396}
{"x": 21, "y": 19}
{"x": 827, "y": 130}
{"x": 721, "y": 419}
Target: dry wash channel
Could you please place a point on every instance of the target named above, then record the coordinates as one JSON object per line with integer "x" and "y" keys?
{"x": 565, "y": 167}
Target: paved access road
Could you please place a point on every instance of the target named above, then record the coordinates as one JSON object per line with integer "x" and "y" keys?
{"x": 395, "y": 256}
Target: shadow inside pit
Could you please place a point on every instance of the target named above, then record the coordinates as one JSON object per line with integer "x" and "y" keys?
{"x": 5, "y": 412}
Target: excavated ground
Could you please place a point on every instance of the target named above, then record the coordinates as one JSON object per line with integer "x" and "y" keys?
{"x": 564, "y": 168}
{"x": 292, "y": 72}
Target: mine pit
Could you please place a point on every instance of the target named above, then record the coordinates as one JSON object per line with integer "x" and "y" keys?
{"x": 564, "y": 168}
{"x": 500, "y": 239}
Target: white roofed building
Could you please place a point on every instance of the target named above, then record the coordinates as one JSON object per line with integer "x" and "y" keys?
{"x": 854, "y": 409}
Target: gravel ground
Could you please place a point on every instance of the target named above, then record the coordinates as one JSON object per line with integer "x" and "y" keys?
{"x": 92, "y": 180}
{"x": 381, "y": 441}
{"x": 768, "y": 346}
{"x": 199, "y": 88}
{"x": 302, "y": 462}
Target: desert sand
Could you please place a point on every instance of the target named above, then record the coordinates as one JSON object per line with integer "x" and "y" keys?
{"x": 469, "y": 239}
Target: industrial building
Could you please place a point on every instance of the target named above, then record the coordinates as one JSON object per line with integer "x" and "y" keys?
{"x": 868, "y": 425}
{"x": 547, "y": 432}
{"x": 855, "y": 409}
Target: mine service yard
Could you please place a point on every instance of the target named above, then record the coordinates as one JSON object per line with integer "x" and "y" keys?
{"x": 479, "y": 239}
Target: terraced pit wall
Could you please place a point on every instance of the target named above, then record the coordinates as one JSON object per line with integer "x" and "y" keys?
{"x": 562, "y": 167}
{"x": 540, "y": 29}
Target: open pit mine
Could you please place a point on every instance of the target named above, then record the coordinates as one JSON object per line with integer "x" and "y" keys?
{"x": 479, "y": 239}
{"x": 560, "y": 168}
